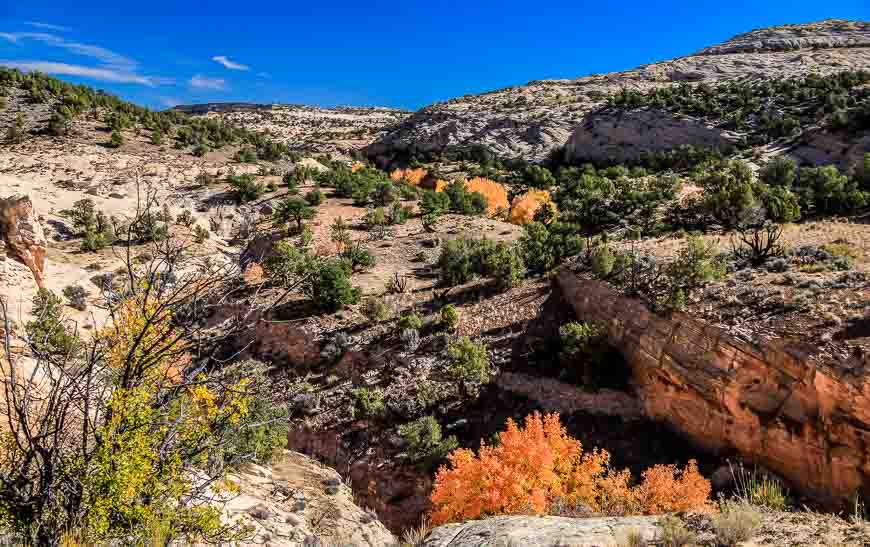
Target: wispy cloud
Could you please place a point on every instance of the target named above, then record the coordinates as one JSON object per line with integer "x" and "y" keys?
{"x": 47, "y": 26}
{"x": 102, "y": 54}
{"x": 95, "y": 73}
{"x": 203, "y": 82}
{"x": 222, "y": 59}
{"x": 264, "y": 75}
{"x": 113, "y": 67}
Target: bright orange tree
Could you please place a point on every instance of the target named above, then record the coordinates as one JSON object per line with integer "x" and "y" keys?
{"x": 496, "y": 194}
{"x": 533, "y": 467}
{"x": 525, "y": 206}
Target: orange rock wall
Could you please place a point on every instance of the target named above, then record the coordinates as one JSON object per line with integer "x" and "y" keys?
{"x": 767, "y": 403}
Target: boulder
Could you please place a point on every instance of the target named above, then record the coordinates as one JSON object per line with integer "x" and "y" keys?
{"x": 23, "y": 235}
{"x": 541, "y": 531}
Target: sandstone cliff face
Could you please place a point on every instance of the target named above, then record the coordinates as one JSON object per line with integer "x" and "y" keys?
{"x": 532, "y": 120}
{"x": 767, "y": 403}
{"x": 608, "y": 135}
{"x": 23, "y": 235}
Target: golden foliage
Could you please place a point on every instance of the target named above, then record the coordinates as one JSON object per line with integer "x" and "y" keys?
{"x": 534, "y": 467}
{"x": 357, "y": 166}
{"x": 495, "y": 193}
{"x": 440, "y": 185}
{"x": 409, "y": 176}
{"x": 525, "y": 206}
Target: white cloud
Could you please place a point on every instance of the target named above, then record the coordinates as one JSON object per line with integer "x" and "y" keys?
{"x": 202, "y": 82}
{"x": 112, "y": 66}
{"x": 229, "y": 64}
{"x": 47, "y": 26}
{"x": 95, "y": 73}
{"x": 264, "y": 75}
{"x": 102, "y": 54}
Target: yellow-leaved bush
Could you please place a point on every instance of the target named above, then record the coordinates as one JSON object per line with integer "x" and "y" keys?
{"x": 524, "y": 206}
{"x": 533, "y": 468}
{"x": 496, "y": 194}
{"x": 154, "y": 427}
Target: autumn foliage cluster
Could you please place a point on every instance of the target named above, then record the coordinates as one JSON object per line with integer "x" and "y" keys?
{"x": 496, "y": 194}
{"x": 525, "y": 206}
{"x": 409, "y": 176}
{"x": 532, "y": 469}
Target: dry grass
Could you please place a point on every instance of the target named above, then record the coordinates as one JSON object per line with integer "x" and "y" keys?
{"x": 736, "y": 522}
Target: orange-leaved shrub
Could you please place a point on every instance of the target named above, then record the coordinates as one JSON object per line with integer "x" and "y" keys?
{"x": 409, "y": 176}
{"x": 357, "y": 166}
{"x": 535, "y": 467}
{"x": 496, "y": 194}
{"x": 524, "y": 206}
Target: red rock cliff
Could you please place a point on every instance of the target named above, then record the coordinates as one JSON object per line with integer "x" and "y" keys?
{"x": 767, "y": 402}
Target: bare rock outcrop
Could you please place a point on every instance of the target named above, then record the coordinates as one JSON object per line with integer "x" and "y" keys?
{"x": 298, "y": 501}
{"x": 540, "y": 531}
{"x": 807, "y": 422}
{"x": 609, "y": 136}
{"x": 531, "y": 121}
{"x": 23, "y": 235}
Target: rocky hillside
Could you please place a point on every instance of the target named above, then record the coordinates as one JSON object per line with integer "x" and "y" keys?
{"x": 533, "y": 120}
{"x": 338, "y": 131}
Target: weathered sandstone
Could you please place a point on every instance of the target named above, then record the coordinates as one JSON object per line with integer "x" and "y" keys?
{"x": 23, "y": 235}
{"x": 768, "y": 403}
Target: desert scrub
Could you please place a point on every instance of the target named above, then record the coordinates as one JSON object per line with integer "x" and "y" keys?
{"x": 76, "y": 297}
{"x": 375, "y": 309}
{"x": 367, "y": 403}
{"x": 469, "y": 361}
{"x": 675, "y": 534}
{"x": 425, "y": 441}
{"x": 411, "y": 320}
{"x": 736, "y": 522}
{"x": 448, "y": 317}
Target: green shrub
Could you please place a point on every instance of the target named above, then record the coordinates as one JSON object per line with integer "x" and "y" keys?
{"x": 263, "y": 431}
{"x": 157, "y": 137}
{"x": 825, "y": 190}
{"x": 449, "y": 317}
{"x": 411, "y": 320}
{"x": 328, "y": 285}
{"x": 245, "y": 155}
{"x": 425, "y": 441}
{"x": 288, "y": 265}
{"x": 246, "y": 187}
{"x": 293, "y": 209}
{"x": 314, "y": 198}
{"x": 584, "y": 346}
{"x": 358, "y": 258}
{"x": 457, "y": 261}
{"x": 200, "y": 234}
{"x": 780, "y": 172}
{"x": 115, "y": 140}
{"x": 375, "y": 218}
{"x": 76, "y": 297}
{"x": 385, "y": 193}
{"x": 603, "y": 261}
{"x": 292, "y": 181}
{"x": 545, "y": 247}
{"x": 435, "y": 203}
{"x": 367, "y": 403}
{"x": 696, "y": 264}
{"x": 47, "y": 332}
{"x": 729, "y": 193}
{"x": 469, "y": 361}
{"x": 504, "y": 263}
{"x": 375, "y": 309}
{"x": 185, "y": 218}
{"x": 399, "y": 214}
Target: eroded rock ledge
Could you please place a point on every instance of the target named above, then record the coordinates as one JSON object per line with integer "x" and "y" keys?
{"x": 767, "y": 402}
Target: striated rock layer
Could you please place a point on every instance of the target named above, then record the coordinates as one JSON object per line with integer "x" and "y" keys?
{"x": 23, "y": 235}
{"x": 768, "y": 402}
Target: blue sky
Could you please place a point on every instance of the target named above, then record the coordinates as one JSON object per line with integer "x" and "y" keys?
{"x": 403, "y": 54}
